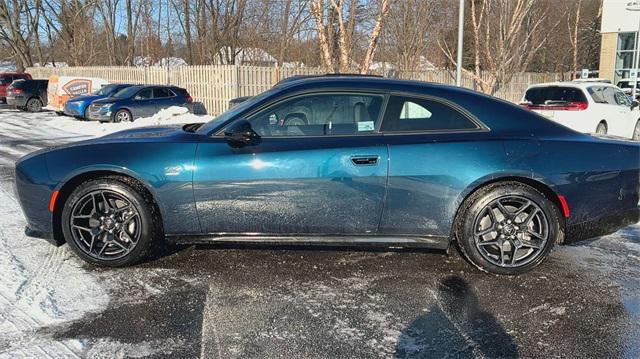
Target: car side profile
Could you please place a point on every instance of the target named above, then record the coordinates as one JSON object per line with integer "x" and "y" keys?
{"x": 6, "y": 78}
{"x": 589, "y": 107}
{"x": 137, "y": 101}
{"x": 77, "y": 106}
{"x": 339, "y": 160}
{"x": 28, "y": 95}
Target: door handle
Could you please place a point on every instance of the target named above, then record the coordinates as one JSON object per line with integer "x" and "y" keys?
{"x": 365, "y": 160}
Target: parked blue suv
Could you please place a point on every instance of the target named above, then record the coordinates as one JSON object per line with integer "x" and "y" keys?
{"x": 77, "y": 106}
{"x": 137, "y": 101}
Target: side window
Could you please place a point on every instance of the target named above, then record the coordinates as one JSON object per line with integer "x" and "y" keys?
{"x": 143, "y": 94}
{"x": 597, "y": 94}
{"x": 609, "y": 95}
{"x": 160, "y": 92}
{"x": 413, "y": 114}
{"x": 621, "y": 98}
{"x": 320, "y": 115}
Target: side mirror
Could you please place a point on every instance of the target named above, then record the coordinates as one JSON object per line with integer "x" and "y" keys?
{"x": 240, "y": 134}
{"x": 634, "y": 104}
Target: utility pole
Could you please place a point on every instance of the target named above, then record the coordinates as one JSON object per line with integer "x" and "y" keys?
{"x": 460, "y": 40}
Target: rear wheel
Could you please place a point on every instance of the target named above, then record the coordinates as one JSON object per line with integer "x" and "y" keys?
{"x": 507, "y": 228}
{"x": 108, "y": 222}
{"x": 123, "y": 116}
{"x": 601, "y": 129}
{"x": 636, "y": 132}
{"x": 34, "y": 105}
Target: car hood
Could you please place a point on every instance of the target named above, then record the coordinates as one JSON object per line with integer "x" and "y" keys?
{"x": 106, "y": 100}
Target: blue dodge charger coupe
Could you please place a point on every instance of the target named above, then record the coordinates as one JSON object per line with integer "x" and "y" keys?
{"x": 77, "y": 106}
{"x": 339, "y": 160}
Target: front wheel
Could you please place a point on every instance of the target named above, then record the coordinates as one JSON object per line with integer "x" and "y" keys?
{"x": 123, "y": 116}
{"x": 507, "y": 228}
{"x": 108, "y": 222}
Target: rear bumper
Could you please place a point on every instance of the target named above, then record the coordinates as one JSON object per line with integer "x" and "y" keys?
{"x": 18, "y": 101}
{"x": 602, "y": 226}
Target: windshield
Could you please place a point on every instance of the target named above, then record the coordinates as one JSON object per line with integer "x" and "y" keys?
{"x": 126, "y": 92}
{"x": 108, "y": 90}
{"x": 243, "y": 106}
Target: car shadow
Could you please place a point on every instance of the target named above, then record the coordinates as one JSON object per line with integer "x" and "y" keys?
{"x": 456, "y": 326}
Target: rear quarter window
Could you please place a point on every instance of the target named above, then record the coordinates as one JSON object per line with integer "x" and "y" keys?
{"x": 554, "y": 94}
{"x": 408, "y": 114}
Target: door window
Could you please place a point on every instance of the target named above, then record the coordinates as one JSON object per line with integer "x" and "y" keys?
{"x": 413, "y": 114}
{"x": 320, "y": 115}
{"x": 143, "y": 94}
{"x": 161, "y": 92}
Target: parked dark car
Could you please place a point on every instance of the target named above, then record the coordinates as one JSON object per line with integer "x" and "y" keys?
{"x": 339, "y": 160}
{"x": 6, "y": 78}
{"x": 28, "y": 95}
{"x": 77, "y": 106}
{"x": 137, "y": 101}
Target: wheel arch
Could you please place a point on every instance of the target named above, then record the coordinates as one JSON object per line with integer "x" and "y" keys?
{"x": 539, "y": 185}
{"x": 67, "y": 187}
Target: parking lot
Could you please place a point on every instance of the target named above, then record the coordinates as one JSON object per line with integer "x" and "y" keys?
{"x": 290, "y": 301}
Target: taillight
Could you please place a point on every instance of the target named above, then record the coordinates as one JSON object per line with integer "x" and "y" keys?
{"x": 189, "y": 99}
{"x": 569, "y": 106}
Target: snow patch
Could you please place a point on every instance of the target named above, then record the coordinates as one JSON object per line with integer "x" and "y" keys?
{"x": 168, "y": 116}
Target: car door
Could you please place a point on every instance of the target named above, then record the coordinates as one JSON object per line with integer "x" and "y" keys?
{"x": 162, "y": 98}
{"x": 616, "y": 111}
{"x": 320, "y": 168}
{"x": 626, "y": 122}
{"x": 435, "y": 151}
{"x": 142, "y": 103}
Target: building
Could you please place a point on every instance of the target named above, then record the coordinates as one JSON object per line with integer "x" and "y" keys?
{"x": 619, "y": 29}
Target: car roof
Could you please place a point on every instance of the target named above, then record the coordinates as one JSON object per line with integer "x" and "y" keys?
{"x": 576, "y": 84}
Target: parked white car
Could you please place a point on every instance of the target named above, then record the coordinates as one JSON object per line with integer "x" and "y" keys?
{"x": 590, "y": 107}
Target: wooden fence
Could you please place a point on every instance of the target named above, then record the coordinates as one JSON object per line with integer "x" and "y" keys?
{"x": 215, "y": 85}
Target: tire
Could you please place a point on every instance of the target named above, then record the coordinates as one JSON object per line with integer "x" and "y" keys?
{"x": 34, "y": 105}
{"x": 481, "y": 223}
{"x": 122, "y": 116}
{"x": 636, "y": 132}
{"x": 59, "y": 113}
{"x": 601, "y": 129}
{"x": 85, "y": 217}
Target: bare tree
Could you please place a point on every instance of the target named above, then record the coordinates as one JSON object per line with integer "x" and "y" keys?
{"x": 506, "y": 37}
{"x": 336, "y": 24}
{"x": 573, "y": 35}
{"x": 19, "y": 21}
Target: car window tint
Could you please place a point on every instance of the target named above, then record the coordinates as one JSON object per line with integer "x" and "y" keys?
{"x": 621, "y": 98}
{"x": 320, "y": 115}
{"x": 143, "y": 94}
{"x": 160, "y": 92}
{"x": 413, "y": 114}
{"x": 544, "y": 95}
{"x": 596, "y": 93}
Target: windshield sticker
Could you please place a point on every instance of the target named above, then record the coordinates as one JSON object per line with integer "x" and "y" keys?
{"x": 365, "y": 126}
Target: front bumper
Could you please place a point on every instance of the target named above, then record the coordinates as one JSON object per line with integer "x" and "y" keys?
{"x": 602, "y": 226}
{"x": 47, "y": 236}
{"x": 73, "y": 109}
{"x": 98, "y": 115}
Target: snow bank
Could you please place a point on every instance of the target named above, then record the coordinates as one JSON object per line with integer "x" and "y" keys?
{"x": 168, "y": 116}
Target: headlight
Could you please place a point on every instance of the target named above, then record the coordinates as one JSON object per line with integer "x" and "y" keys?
{"x": 106, "y": 106}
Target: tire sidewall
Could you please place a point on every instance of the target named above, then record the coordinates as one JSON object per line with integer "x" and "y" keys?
{"x": 138, "y": 202}
{"x": 465, "y": 234}
{"x": 115, "y": 117}
{"x": 31, "y": 100}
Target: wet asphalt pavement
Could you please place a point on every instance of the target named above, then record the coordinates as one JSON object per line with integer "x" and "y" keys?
{"x": 252, "y": 301}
